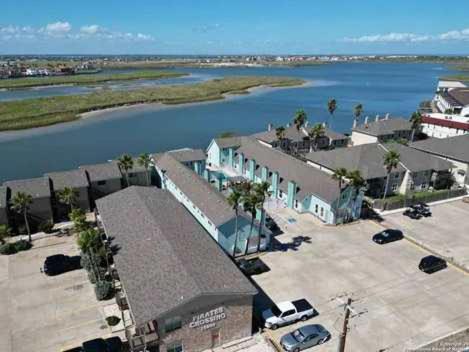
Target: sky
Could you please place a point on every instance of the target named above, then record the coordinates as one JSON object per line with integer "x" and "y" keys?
{"x": 201, "y": 27}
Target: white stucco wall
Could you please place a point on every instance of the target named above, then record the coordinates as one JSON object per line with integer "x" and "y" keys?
{"x": 359, "y": 138}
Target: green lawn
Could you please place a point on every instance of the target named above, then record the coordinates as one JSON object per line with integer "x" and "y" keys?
{"x": 30, "y": 113}
{"x": 84, "y": 79}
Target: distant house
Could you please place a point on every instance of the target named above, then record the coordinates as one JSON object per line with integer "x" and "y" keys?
{"x": 299, "y": 140}
{"x": 104, "y": 179}
{"x": 381, "y": 131}
{"x": 4, "y": 205}
{"x": 293, "y": 183}
{"x": 40, "y": 190}
{"x": 415, "y": 172}
{"x": 75, "y": 179}
{"x": 452, "y": 149}
{"x": 209, "y": 206}
{"x": 450, "y": 115}
{"x": 182, "y": 291}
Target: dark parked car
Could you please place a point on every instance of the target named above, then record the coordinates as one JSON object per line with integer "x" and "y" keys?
{"x": 271, "y": 224}
{"x": 422, "y": 208}
{"x": 387, "y": 236}
{"x": 431, "y": 264}
{"x": 253, "y": 266}
{"x": 112, "y": 344}
{"x": 413, "y": 214}
{"x": 60, "y": 263}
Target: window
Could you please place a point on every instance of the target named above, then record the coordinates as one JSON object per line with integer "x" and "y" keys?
{"x": 322, "y": 211}
{"x": 175, "y": 347}
{"x": 288, "y": 312}
{"x": 296, "y": 203}
{"x": 132, "y": 174}
{"x": 424, "y": 185}
{"x": 101, "y": 183}
{"x": 172, "y": 324}
{"x": 316, "y": 208}
{"x": 394, "y": 187}
{"x": 396, "y": 175}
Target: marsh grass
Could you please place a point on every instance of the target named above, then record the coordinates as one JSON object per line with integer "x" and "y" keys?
{"x": 30, "y": 113}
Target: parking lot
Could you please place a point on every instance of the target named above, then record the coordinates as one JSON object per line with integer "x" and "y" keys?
{"x": 445, "y": 232}
{"x": 46, "y": 314}
{"x": 395, "y": 305}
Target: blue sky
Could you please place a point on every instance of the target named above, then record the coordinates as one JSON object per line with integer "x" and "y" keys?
{"x": 234, "y": 27}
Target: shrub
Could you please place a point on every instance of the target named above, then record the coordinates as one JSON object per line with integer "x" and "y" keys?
{"x": 22, "y": 245}
{"x": 46, "y": 226}
{"x": 78, "y": 217}
{"x": 8, "y": 248}
{"x": 5, "y": 232}
{"x": 85, "y": 262}
{"x": 103, "y": 290}
{"x": 113, "y": 320}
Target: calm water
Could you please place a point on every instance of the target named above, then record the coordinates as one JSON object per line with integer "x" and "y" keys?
{"x": 381, "y": 88}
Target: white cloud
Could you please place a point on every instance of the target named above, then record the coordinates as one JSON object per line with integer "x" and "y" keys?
{"x": 456, "y": 35}
{"x": 64, "y": 30}
{"x": 58, "y": 28}
{"x": 91, "y": 29}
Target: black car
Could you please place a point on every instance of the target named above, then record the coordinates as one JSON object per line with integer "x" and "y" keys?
{"x": 60, "y": 263}
{"x": 431, "y": 264}
{"x": 112, "y": 344}
{"x": 387, "y": 236}
{"x": 422, "y": 209}
{"x": 271, "y": 224}
{"x": 253, "y": 266}
{"x": 412, "y": 214}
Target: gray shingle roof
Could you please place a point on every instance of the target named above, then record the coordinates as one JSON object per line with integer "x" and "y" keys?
{"x": 294, "y": 135}
{"x": 211, "y": 202}
{"x": 384, "y": 126}
{"x": 3, "y": 197}
{"x": 186, "y": 155}
{"x": 456, "y": 148}
{"x": 416, "y": 160}
{"x": 102, "y": 172}
{"x": 165, "y": 258}
{"x": 72, "y": 178}
{"x": 308, "y": 179}
{"x": 228, "y": 142}
{"x": 291, "y": 133}
{"x": 368, "y": 159}
{"x": 461, "y": 95}
{"x": 36, "y": 187}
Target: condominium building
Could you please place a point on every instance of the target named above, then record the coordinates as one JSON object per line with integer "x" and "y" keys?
{"x": 183, "y": 293}
{"x": 381, "y": 130}
{"x": 293, "y": 183}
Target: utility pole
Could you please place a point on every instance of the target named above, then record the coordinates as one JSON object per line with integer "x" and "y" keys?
{"x": 343, "y": 335}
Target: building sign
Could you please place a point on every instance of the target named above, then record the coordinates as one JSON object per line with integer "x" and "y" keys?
{"x": 208, "y": 320}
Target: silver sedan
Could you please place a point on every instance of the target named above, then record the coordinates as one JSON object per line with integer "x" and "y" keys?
{"x": 305, "y": 337}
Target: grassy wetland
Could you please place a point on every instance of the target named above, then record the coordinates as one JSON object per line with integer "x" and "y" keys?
{"x": 84, "y": 79}
{"x": 31, "y": 113}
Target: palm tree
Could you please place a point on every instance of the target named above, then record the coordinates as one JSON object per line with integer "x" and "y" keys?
{"x": 315, "y": 133}
{"x": 390, "y": 162}
{"x": 89, "y": 241}
{"x": 68, "y": 196}
{"x": 331, "y": 107}
{"x": 340, "y": 174}
{"x": 356, "y": 180}
{"x": 234, "y": 199}
{"x": 125, "y": 163}
{"x": 357, "y": 111}
{"x": 416, "y": 120}
{"x": 300, "y": 119}
{"x": 280, "y": 133}
{"x": 262, "y": 192}
{"x": 144, "y": 160}
{"x": 20, "y": 203}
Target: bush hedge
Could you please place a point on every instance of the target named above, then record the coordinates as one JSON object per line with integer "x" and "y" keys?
{"x": 15, "y": 247}
{"x": 113, "y": 320}
{"x": 8, "y": 248}
{"x": 46, "y": 226}
{"x": 103, "y": 290}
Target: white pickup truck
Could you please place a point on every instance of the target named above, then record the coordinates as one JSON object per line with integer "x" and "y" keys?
{"x": 287, "y": 313}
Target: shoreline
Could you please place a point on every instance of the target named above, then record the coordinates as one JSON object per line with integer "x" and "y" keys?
{"x": 225, "y": 97}
{"x": 113, "y": 113}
